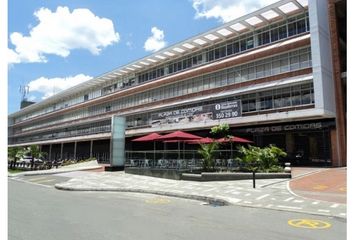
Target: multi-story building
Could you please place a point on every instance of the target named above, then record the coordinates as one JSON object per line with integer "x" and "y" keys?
{"x": 268, "y": 74}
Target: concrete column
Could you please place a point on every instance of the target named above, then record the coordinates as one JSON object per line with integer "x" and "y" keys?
{"x": 75, "y": 150}
{"x": 91, "y": 146}
{"x": 50, "y": 152}
{"x": 61, "y": 151}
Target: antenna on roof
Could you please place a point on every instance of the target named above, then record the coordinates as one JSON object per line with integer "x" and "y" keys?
{"x": 24, "y": 90}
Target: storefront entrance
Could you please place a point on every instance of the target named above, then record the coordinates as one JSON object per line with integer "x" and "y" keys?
{"x": 306, "y": 143}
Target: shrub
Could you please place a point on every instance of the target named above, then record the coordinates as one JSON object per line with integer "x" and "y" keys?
{"x": 264, "y": 159}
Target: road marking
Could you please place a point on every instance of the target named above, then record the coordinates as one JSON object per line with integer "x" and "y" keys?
{"x": 334, "y": 205}
{"x": 298, "y": 201}
{"x": 264, "y": 196}
{"x": 247, "y": 202}
{"x": 45, "y": 181}
{"x": 343, "y": 189}
{"x": 323, "y": 210}
{"x": 36, "y": 179}
{"x": 288, "y": 199}
{"x": 320, "y": 187}
{"x": 281, "y": 206}
{"x": 273, "y": 199}
{"x": 247, "y": 194}
{"x": 269, "y": 205}
{"x": 235, "y": 192}
{"x": 343, "y": 214}
{"x": 315, "y": 203}
{"x": 309, "y": 223}
{"x": 33, "y": 183}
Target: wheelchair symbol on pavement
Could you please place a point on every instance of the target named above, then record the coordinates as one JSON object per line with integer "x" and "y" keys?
{"x": 309, "y": 223}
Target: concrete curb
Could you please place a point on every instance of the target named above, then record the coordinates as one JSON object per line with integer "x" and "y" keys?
{"x": 162, "y": 193}
{"x": 219, "y": 201}
{"x": 49, "y": 172}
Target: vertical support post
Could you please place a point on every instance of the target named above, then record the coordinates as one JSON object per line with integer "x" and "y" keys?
{"x": 254, "y": 178}
{"x": 75, "y": 145}
{"x": 91, "y": 146}
{"x": 50, "y": 152}
{"x": 61, "y": 151}
{"x": 117, "y": 159}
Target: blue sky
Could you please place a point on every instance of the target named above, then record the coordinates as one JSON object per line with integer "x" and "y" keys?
{"x": 56, "y": 44}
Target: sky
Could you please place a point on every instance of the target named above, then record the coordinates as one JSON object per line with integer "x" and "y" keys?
{"x": 54, "y": 45}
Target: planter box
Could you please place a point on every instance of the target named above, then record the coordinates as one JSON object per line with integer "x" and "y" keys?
{"x": 206, "y": 176}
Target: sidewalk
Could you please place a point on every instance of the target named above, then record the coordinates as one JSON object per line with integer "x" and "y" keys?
{"x": 270, "y": 193}
{"x": 325, "y": 185}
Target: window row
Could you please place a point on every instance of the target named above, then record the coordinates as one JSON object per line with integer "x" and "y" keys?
{"x": 271, "y": 66}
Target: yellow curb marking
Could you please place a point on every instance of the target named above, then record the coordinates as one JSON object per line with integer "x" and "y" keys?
{"x": 343, "y": 189}
{"x": 158, "y": 200}
{"x": 320, "y": 187}
{"x": 309, "y": 223}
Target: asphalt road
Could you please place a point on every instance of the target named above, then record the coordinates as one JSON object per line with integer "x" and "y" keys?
{"x": 37, "y": 212}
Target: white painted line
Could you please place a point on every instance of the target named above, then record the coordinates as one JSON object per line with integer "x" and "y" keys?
{"x": 247, "y": 202}
{"x": 263, "y": 196}
{"x": 235, "y": 192}
{"x": 334, "y": 205}
{"x": 269, "y": 205}
{"x": 315, "y": 203}
{"x": 247, "y": 194}
{"x": 298, "y": 201}
{"x": 323, "y": 210}
{"x": 273, "y": 199}
{"x": 343, "y": 214}
{"x": 288, "y": 199}
{"x": 281, "y": 206}
{"x": 42, "y": 185}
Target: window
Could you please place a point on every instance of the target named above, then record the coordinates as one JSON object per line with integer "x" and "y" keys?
{"x": 243, "y": 45}
{"x": 301, "y": 26}
{"x": 86, "y": 97}
{"x": 250, "y": 43}
{"x": 108, "y": 108}
{"x": 291, "y": 29}
{"x": 282, "y": 32}
{"x": 274, "y": 34}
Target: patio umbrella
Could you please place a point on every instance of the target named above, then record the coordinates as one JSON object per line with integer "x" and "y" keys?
{"x": 178, "y": 136}
{"x": 233, "y": 139}
{"x": 148, "y": 138}
{"x": 205, "y": 140}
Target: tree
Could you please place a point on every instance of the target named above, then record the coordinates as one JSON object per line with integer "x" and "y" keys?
{"x": 221, "y": 131}
{"x": 34, "y": 152}
{"x": 15, "y": 153}
{"x": 208, "y": 152}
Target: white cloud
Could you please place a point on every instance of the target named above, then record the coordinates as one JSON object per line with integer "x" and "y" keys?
{"x": 227, "y": 10}
{"x": 156, "y": 41}
{"x": 51, "y": 86}
{"x": 61, "y": 31}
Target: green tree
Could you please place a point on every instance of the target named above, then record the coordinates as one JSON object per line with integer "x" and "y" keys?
{"x": 208, "y": 152}
{"x": 221, "y": 131}
{"x": 35, "y": 153}
{"x": 14, "y": 153}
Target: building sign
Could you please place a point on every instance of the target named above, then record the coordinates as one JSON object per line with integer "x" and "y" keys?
{"x": 288, "y": 127}
{"x": 214, "y": 111}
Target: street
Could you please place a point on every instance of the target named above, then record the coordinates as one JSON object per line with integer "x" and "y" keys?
{"x": 37, "y": 212}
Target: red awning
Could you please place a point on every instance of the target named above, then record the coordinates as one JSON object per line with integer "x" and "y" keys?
{"x": 147, "y": 138}
{"x": 233, "y": 139}
{"x": 178, "y": 135}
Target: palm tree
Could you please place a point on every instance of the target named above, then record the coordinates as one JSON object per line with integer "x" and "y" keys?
{"x": 15, "y": 153}
{"x": 208, "y": 152}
